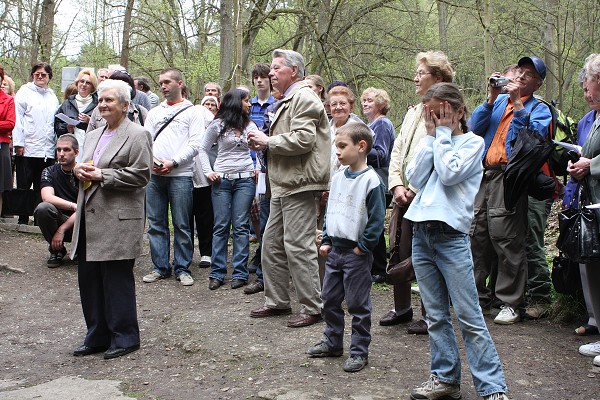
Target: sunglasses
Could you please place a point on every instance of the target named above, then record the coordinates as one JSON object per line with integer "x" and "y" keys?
{"x": 40, "y": 74}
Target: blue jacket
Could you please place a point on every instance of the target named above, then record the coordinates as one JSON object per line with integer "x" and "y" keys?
{"x": 486, "y": 118}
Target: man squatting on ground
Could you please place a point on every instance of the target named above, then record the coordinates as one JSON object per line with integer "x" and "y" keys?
{"x": 55, "y": 215}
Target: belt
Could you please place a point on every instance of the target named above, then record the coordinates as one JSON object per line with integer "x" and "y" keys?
{"x": 499, "y": 167}
{"x": 236, "y": 175}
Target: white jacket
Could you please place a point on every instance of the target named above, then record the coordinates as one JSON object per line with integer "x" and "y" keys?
{"x": 34, "y": 129}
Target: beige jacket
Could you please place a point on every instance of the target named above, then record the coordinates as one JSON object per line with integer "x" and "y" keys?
{"x": 411, "y": 132}
{"x": 114, "y": 208}
{"x": 300, "y": 144}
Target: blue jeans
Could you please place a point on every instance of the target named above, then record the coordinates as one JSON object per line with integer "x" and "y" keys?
{"x": 443, "y": 265}
{"x": 160, "y": 192}
{"x": 231, "y": 201}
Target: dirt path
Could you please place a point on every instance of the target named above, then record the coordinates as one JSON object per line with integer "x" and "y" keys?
{"x": 199, "y": 344}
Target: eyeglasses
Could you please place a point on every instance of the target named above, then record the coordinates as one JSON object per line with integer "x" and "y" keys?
{"x": 521, "y": 73}
{"x": 123, "y": 71}
{"x": 40, "y": 74}
{"x": 341, "y": 104}
{"x": 420, "y": 74}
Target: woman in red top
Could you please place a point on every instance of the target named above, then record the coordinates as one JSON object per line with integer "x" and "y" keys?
{"x": 7, "y": 123}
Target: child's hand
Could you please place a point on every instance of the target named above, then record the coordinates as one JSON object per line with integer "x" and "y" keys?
{"x": 358, "y": 251}
{"x": 324, "y": 250}
{"x": 429, "y": 120}
{"x": 447, "y": 116}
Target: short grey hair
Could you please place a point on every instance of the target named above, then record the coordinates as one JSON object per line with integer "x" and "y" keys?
{"x": 123, "y": 89}
{"x": 291, "y": 58}
{"x": 591, "y": 68}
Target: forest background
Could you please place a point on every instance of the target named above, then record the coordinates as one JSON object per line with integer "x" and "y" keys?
{"x": 363, "y": 42}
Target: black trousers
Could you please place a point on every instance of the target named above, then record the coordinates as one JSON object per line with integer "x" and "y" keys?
{"x": 202, "y": 215}
{"x": 29, "y": 172}
{"x": 107, "y": 291}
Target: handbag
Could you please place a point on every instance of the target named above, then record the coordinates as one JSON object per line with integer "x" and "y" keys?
{"x": 579, "y": 239}
{"x": 398, "y": 271}
{"x": 566, "y": 277}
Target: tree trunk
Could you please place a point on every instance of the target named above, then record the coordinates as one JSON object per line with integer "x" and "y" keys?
{"x": 46, "y": 30}
{"x": 550, "y": 49}
{"x": 227, "y": 44}
{"x": 443, "y": 25}
{"x": 126, "y": 34}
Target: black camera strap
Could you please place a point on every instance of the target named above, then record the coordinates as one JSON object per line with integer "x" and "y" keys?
{"x": 170, "y": 120}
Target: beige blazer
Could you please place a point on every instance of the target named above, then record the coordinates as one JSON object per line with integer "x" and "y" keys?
{"x": 114, "y": 208}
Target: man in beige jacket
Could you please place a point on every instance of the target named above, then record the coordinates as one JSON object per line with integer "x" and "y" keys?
{"x": 298, "y": 150}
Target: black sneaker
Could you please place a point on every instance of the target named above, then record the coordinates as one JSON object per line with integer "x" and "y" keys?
{"x": 55, "y": 260}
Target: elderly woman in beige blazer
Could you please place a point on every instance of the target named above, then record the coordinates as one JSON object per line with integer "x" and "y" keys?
{"x": 117, "y": 161}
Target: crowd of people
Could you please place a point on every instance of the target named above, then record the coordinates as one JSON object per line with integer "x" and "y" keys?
{"x": 295, "y": 167}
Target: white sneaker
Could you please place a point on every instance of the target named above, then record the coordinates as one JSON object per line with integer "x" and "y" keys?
{"x": 185, "y": 279}
{"x": 496, "y": 396}
{"x": 590, "y": 349}
{"x": 596, "y": 361}
{"x": 507, "y": 316}
{"x": 434, "y": 389}
{"x": 152, "y": 277}
{"x": 204, "y": 262}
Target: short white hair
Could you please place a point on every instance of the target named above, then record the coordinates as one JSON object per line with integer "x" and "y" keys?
{"x": 291, "y": 58}
{"x": 123, "y": 89}
{"x": 591, "y": 68}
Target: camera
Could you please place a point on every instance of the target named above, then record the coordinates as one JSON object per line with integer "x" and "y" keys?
{"x": 499, "y": 81}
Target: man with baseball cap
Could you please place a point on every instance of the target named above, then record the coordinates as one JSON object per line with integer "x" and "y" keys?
{"x": 499, "y": 235}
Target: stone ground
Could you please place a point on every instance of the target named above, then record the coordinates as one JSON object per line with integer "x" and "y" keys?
{"x": 200, "y": 344}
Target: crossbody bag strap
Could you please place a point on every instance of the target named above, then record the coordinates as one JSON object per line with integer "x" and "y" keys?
{"x": 169, "y": 121}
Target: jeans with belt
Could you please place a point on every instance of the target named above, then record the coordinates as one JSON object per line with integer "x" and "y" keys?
{"x": 231, "y": 199}
{"x": 443, "y": 265}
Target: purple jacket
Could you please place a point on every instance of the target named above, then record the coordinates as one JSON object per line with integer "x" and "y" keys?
{"x": 583, "y": 128}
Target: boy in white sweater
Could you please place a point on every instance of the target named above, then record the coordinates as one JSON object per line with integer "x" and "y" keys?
{"x": 353, "y": 223}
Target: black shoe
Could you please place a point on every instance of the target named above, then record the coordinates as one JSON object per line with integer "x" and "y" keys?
{"x": 56, "y": 259}
{"x": 254, "y": 287}
{"x": 119, "y": 352}
{"x": 84, "y": 350}
{"x": 378, "y": 278}
{"x": 214, "y": 284}
{"x": 237, "y": 283}
{"x": 391, "y": 318}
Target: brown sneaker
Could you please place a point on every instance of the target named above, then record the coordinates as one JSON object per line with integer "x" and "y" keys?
{"x": 418, "y": 328}
{"x": 254, "y": 287}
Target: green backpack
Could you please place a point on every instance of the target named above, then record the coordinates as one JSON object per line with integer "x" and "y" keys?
{"x": 562, "y": 129}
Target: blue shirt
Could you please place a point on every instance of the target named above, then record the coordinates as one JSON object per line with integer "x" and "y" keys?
{"x": 257, "y": 110}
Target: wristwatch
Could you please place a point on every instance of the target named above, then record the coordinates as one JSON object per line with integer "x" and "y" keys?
{"x": 175, "y": 164}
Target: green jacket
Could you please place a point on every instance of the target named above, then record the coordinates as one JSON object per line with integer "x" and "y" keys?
{"x": 300, "y": 144}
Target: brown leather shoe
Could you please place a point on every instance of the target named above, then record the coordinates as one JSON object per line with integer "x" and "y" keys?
{"x": 418, "y": 328}
{"x": 300, "y": 320}
{"x": 391, "y": 318}
{"x": 265, "y": 311}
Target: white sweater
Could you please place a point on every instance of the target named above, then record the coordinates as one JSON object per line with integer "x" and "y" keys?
{"x": 180, "y": 140}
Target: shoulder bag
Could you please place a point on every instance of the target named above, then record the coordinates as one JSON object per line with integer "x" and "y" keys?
{"x": 579, "y": 239}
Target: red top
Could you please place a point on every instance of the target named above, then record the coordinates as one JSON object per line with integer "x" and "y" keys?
{"x": 7, "y": 116}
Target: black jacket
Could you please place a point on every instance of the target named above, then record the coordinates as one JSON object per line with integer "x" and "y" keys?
{"x": 69, "y": 108}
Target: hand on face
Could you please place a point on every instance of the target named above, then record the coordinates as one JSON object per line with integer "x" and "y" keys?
{"x": 447, "y": 117}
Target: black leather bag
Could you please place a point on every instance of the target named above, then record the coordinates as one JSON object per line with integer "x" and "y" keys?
{"x": 579, "y": 239}
{"x": 566, "y": 278}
